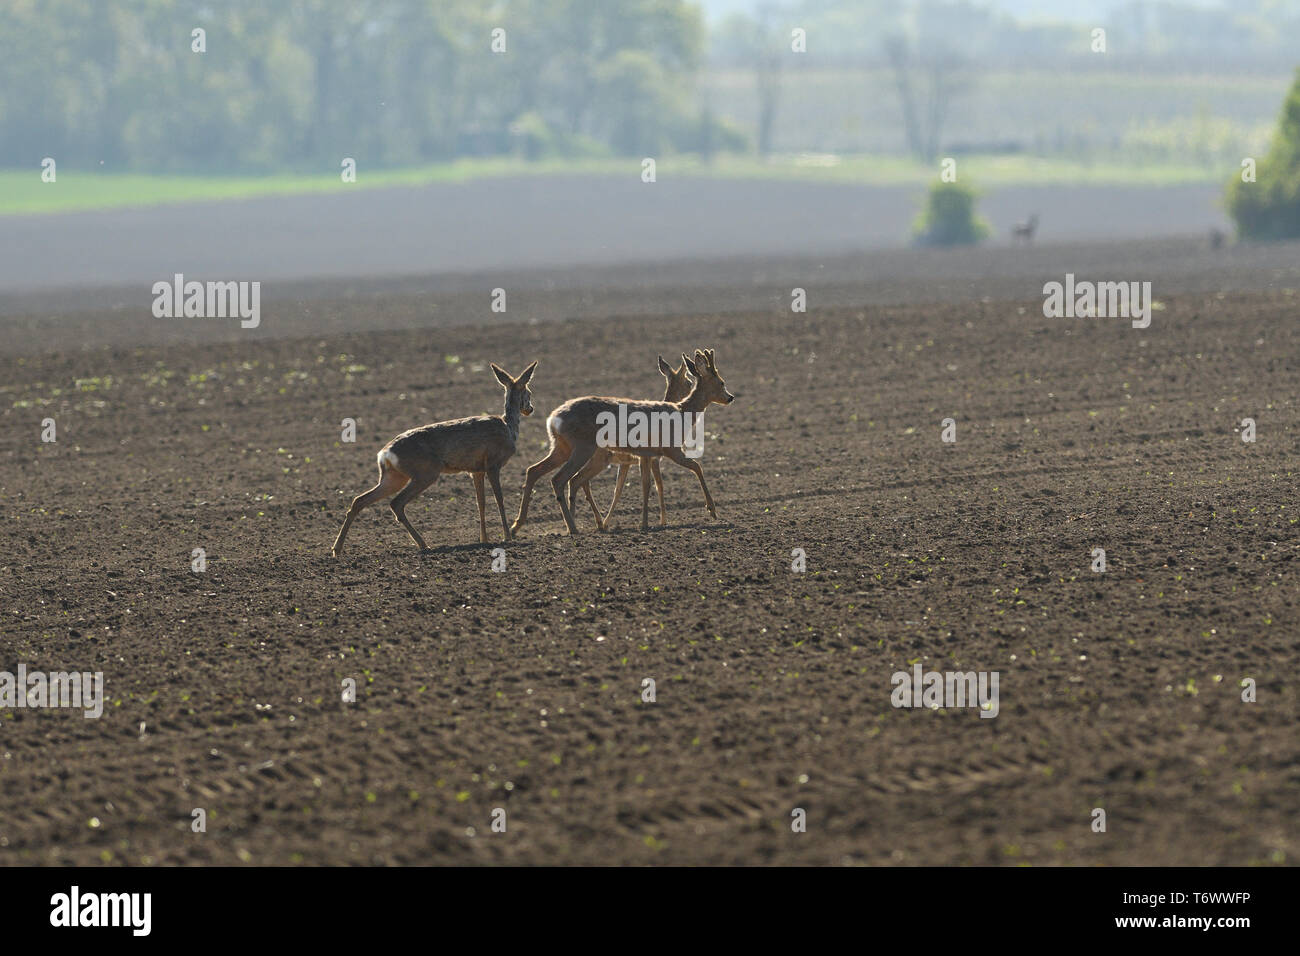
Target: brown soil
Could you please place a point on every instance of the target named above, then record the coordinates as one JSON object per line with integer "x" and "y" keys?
{"x": 521, "y": 690}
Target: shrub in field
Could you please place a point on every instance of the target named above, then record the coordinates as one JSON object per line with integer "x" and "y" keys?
{"x": 949, "y": 217}
{"x": 1269, "y": 207}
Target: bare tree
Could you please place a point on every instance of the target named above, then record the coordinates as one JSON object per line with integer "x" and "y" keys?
{"x": 898, "y": 52}
{"x": 767, "y": 70}
{"x": 758, "y": 42}
{"x": 769, "y": 54}
{"x": 939, "y": 73}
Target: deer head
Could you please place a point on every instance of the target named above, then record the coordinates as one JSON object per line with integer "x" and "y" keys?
{"x": 517, "y": 394}
{"x": 679, "y": 385}
{"x": 709, "y": 385}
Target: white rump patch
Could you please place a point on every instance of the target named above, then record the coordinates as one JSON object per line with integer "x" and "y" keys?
{"x": 387, "y": 458}
{"x": 554, "y": 424}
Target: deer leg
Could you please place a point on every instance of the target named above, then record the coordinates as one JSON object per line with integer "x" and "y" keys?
{"x": 595, "y": 510}
{"x": 494, "y": 476}
{"x": 680, "y": 458}
{"x": 390, "y": 482}
{"x": 599, "y": 462}
{"x": 581, "y": 455}
{"x": 659, "y": 484}
{"x": 482, "y": 511}
{"x": 645, "y": 496}
{"x": 589, "y": 471}
{"x": 559, "y": 452}
{"x": 623, "y": 469}
{"x": 398, "y": 505}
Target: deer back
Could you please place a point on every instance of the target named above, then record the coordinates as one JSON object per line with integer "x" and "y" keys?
{"x": 462, "y": 444}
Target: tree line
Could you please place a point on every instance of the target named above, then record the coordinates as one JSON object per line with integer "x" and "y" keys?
{"x": 266, "y": 85}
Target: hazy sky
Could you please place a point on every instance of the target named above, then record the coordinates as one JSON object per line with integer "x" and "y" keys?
{"x": 1077, "y": 10}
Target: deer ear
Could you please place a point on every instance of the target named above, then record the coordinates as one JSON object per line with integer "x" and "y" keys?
{"x": 664, "y": 368}
{"x": 690, "y": 366}
{"x": 526, "y": 374}
{"x": 501, "y": 375}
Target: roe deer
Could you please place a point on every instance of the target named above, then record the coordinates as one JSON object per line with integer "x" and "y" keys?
{"x": 1025, "y": 230}
{"x": 678, "y": 387}
{"x": 574, "y": 428}
{"x": 413, "y": 460}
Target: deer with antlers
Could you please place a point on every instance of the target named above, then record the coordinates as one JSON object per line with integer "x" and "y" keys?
{"x": 413, "y": 460}
{"x": 678, "y": 386}
{"x": 578, "y": 429}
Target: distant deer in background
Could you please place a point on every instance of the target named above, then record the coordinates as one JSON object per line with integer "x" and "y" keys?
{"x": 678, "y": 387}
{"x": 1025, "y": 230}
{"x": 414, "y": 459}
{"x": 1217, "y": 237}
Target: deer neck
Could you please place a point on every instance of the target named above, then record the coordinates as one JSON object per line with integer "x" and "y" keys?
{"x": 695, "y": 402}
{"x": 511, "y": 417}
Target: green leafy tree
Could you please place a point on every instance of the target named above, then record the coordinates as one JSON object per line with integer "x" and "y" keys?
{"x": 1269, "y": 208}
{"x": 632, "y": 103}
{"x": 296, "y": 85}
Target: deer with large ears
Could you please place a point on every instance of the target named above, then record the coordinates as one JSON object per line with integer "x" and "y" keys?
{"x": 413, "y": 460}
{"x": 578, "y": 429}
{"x": 678, "y": 386}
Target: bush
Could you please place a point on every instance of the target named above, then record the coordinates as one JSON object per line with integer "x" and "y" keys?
{"x": 708, "y": 135}
{"x": 1269, "y": 208}
{"x": 535, "y": 139}
{"x": 533, "y": 136}
{"x": 949, "y": 217}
